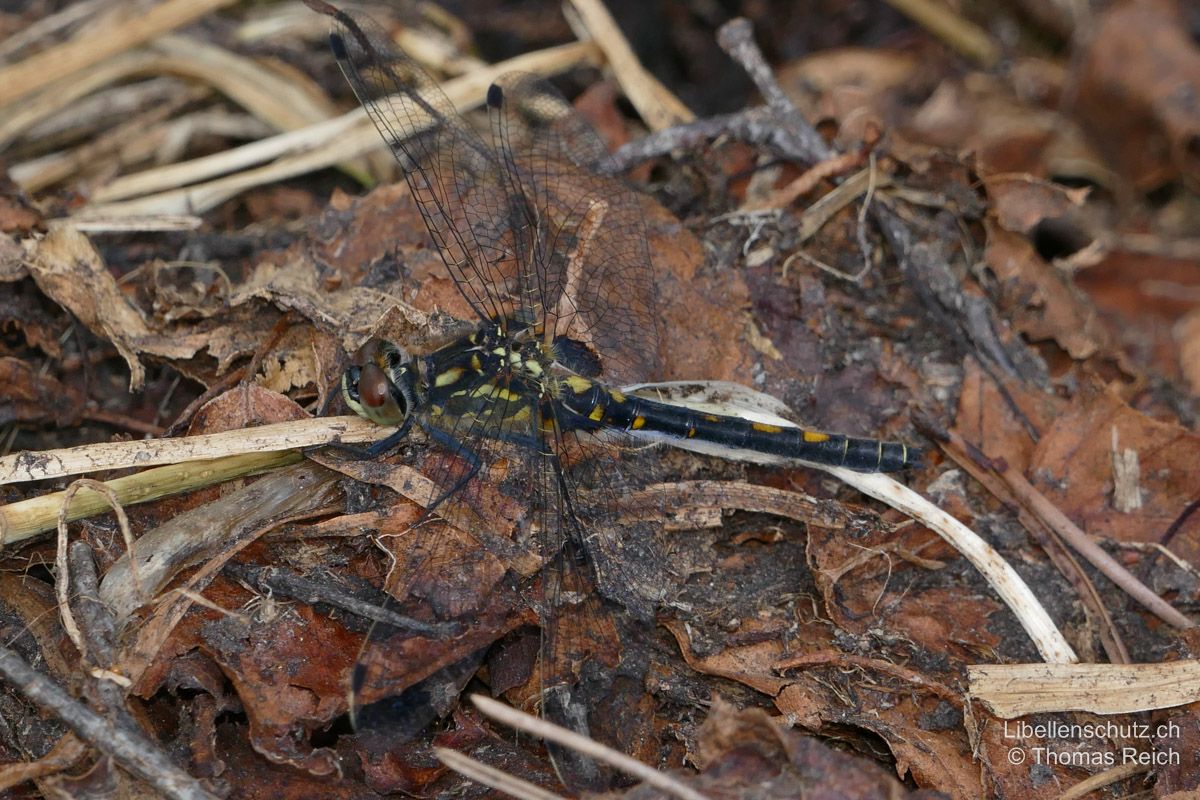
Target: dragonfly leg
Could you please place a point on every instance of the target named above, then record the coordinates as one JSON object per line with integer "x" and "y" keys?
{"x": 462, "y": 451}
{"x": 392, "y": 441}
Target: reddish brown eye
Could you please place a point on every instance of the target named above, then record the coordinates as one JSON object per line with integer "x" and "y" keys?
{"x": 372, "y": 386}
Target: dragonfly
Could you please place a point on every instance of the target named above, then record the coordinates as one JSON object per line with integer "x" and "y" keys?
{"x": 551, "y": 257}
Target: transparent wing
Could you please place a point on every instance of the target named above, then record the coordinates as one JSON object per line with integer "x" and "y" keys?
{"x": 591, "y": 265}
{"x": 523, "y": 225}
{"x": 457, "y": 180}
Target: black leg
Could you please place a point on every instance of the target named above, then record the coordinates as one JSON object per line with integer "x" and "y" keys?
{"x": 459, "y": 449}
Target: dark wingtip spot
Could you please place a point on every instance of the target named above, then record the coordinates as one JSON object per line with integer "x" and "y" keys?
{"x": 495, "y": 96}
{"x": 338, "y": 45}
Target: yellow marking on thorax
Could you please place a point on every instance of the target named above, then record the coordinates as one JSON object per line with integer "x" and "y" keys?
{"x": 577, "y": 384}
{"x": 815, "y": 436}
{"x": 476, "y": 364}
{"x": 764, "y": 427}
{"x": 448, "y": 376}
{"x": 493, "y": 392}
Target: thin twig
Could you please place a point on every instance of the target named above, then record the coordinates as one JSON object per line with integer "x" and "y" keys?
{"x": 1040, "y": 505}
{"x": 492, "y": 777}
{"x": 582, "y": 744}
{"x": 981, "y": 468}
{"x": 736, "y": 38}
{"x": 129, "y": 748}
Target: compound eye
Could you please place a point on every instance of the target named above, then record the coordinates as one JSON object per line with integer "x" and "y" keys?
{"x": 373, "y": 386}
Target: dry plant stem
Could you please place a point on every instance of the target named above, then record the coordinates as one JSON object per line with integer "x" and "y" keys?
{"x": 588, "y": 747}
{"x": 30, "y": 466}
{"x": 778, "y": 125}
{"x": 491, "y": 777}
{"x": 26, "y": 77}
{"x": 998, "y": 573}
{"x": 47, "y": 27}
{"x": 103, "y": 686}
{"x": 281, "y": 102}
{"x": 1037, "y": 503}
{"x": 654, "y": 102}
{"x": 98, "y": 628}
{"x": 27, "y": 114}
{"x": 965, "y": 37}
{"x": 133, "y": 751}
{"x": 136, "y": 137}
{"x": 193, "y": 536}
{"x": 150, "y": 223}
{"x": 27, "y": 518}
{"x": 171, "y": 176}
{"x": 832, "y": 202}
{"x": 325, "y": 144}
{"x": 695, "y": 497}
{"x": 1014, "y": 690}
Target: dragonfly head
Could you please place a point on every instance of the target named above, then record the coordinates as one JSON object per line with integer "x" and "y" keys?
{"x": 382, "y": 386}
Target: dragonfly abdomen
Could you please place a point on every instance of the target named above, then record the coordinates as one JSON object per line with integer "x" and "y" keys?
{"x": 605, "y": 408}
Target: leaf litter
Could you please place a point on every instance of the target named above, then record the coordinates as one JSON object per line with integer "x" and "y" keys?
{"x": 1011, "y": 276}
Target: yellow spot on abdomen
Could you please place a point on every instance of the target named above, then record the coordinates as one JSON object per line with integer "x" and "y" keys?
{"x": 815, "y": 436}
{"x": 597, "y": 413}
{"x": 638, "y": 423}
{"x": 763, "y": 427}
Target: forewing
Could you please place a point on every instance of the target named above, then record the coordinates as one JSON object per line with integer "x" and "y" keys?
{"x": 456, "y": 179}
{"x": 590, "y": 263}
